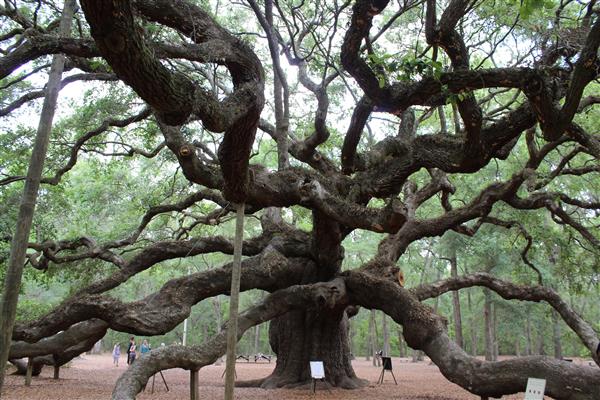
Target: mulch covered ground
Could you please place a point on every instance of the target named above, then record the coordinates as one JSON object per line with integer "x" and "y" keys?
{"x": 92, "y": 377}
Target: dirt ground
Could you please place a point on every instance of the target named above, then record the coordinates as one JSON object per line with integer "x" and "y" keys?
{"x": 92, "y": 377}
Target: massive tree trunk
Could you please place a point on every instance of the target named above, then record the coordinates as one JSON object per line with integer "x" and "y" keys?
{"x": 340, "y": 200}
{"x": 303, "y": 336}
{"x": 487, "y": 379}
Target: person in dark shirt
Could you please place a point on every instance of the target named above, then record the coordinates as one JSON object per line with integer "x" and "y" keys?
{"x": 131, "y": 350}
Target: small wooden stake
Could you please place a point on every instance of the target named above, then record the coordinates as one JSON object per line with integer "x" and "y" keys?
{"x": 29, "y": 371}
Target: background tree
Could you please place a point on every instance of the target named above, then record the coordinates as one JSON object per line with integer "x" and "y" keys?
{"x": 355, "y": 133}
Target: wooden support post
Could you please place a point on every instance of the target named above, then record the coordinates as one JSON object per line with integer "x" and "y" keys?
{"x": 29, "y": 371}
{"x": 20, "y": 239}
{"x": 234, "y": 298}
{"x": 194, "y": 393}
{"x": 56, "y": 366}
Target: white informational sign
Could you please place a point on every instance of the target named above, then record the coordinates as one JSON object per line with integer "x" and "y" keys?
{"x": 535, "y": 389}
{"x": 316, "y": 370}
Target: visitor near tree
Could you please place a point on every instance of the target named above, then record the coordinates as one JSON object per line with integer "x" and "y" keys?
{"x": 131, "y": 350}
{"x": 145, "y": 347}
{"x": 116, "y": 353}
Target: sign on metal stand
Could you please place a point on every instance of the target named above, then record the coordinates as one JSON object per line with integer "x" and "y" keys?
{"x": 535, "y": 389}
{"x": 387, "y": 366}
{"x": 317, "y": 373}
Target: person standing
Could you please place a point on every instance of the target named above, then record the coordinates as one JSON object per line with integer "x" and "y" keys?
{"x": 116, "y": 353}
{"x": 145, "y": 347}
{"x": 131, "y": 350}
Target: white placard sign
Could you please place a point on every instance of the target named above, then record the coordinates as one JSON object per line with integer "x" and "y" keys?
{"x": 316, "y": 370}
{"x": 535, "y": 389}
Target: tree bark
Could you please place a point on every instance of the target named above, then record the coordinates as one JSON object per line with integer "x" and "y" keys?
{"x": 14, "y": 271}
{"x": 422, "y": 330}
{"x": 303, "y": 336}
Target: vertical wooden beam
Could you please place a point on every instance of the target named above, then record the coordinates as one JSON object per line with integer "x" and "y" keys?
{"x": 29, "y": 371}
{"x": 56, "y": 367}
{"x": 234, "y": 303}
{"x": 18, "y": 248}
{"x": 194, "y": 392}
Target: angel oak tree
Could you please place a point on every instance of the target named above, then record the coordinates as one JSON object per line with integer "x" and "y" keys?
{"x": 363, "y": 142}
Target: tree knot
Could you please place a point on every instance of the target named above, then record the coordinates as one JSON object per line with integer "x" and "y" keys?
{"x": 185, "y": 150}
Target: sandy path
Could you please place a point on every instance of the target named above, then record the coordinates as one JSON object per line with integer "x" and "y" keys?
{"x": 92, "y": 377}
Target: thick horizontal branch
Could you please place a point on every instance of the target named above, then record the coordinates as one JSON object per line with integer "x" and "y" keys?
{"x": 384, "y": 169}
{"x": 165, "y": 309}
{"x": 424, "y": 330}
{"x": 393, "y": 246}
{"x": 84, "y": 331}
{"x": 510, "y": 291}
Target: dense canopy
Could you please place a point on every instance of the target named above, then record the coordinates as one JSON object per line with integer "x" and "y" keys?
{"x": 357, "y": 133}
